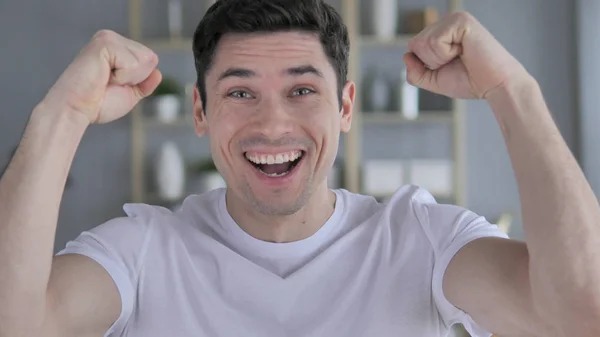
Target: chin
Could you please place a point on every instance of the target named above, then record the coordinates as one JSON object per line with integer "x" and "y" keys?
{"x": 279, "y": 202}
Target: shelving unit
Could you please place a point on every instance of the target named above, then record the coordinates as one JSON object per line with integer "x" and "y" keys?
{"x": 142, "y": 124}
{"x": 353, "y": 142}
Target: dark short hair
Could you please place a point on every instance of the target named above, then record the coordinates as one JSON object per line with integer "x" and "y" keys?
{"x": 250, "y": 16}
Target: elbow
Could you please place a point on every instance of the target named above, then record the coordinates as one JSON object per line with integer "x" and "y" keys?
{"x": 583, "y": 320}
{"x": 22, "y": 320}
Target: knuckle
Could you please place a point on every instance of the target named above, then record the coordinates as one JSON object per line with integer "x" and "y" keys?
{"x": 463, "y": 16}
{"x": 432, "y": 41}
{"x": 149, "y": 57}
{"x": 421, "y": 42}
{"x": 104, "y": 35}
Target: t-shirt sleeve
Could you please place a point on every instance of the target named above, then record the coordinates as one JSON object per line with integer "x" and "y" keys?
{"x": 119, "y": 246}
{"x": 450, "y": 228}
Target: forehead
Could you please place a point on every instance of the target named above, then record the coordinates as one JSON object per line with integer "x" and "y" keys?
{"x": 271, "y": 51}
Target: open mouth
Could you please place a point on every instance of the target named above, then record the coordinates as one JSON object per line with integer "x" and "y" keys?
{"x": 275, "y": 165}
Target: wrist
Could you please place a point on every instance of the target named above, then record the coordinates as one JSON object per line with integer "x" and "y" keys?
{"x": 514, "y": 93}
{"x": 56, "y": 126}
{"x": 519, "y": 107}
{"x": 59, "y": 117}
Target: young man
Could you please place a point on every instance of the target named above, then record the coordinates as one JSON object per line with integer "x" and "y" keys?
{"x": 277, "y": 253}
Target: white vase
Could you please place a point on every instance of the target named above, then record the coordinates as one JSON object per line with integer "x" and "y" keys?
{"x": 212, "y": 181}
{"x": 408, "y": 96}
{"x": 378, "y": 91}
{"x": 170, "y": 172}
{"x": 167, "y": 108}
{"x": 385, "y": 18}
{"x": 175, "y": 13}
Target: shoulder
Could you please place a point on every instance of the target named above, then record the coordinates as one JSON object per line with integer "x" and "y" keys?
{"x": 146, "y": 217}
{"x": 408, "y": 202}
{"x": 206, "y": 205}
{"x": 358, "y": 203}
{"x": 417, "y": 202}
{"x": 441, "y": 223}
{"x": 135, "y": 223}
{"x": 118, "y": 237}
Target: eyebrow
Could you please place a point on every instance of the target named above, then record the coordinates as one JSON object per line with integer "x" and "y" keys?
{"x": 247, "y": 73}
{"x": 237, "y": 72}
{"x": 305, "y": 69}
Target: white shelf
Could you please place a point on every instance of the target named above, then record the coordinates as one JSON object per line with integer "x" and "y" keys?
{"x": 179, "y": 122}
{"x": 181, "y": 44}
{"x": 395, "y": 117}
{"x": 155, "y": 199}
{"x": 374, "y": 41}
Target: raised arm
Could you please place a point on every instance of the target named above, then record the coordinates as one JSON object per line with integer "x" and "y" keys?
{"x": 550, "y": 285}
{"x": 71, "y": 295}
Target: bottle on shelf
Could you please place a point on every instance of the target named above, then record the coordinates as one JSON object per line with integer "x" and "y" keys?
{"x": 378, "y": 95}
{"x": 175, "y": 13}
{"x": 408, "y": 97}
{"x": 385, "y": 18}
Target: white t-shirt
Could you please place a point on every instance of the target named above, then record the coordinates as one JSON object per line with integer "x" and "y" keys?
{"x": 373, "y": 269}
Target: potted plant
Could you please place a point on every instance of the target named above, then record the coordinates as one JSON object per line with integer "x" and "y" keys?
{"x": 167, "y": 100}
{"x": 205, "y": 176}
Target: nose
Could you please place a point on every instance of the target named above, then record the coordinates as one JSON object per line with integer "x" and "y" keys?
{"x": 273, "y": 119}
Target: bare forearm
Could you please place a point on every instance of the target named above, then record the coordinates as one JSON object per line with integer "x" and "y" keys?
{"x": 561, "y": 216}
{"x": 30, "y": 195}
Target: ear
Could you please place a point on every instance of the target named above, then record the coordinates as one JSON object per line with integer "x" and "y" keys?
{"x": 200, "y": 123}
{"x": 348, "y": 94}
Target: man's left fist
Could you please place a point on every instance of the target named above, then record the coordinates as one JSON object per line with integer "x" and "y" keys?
{"x": 458, "y": 57}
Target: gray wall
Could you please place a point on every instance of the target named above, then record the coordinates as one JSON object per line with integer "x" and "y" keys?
{"x": 39, "y": 39}
{"x": 540, "y": 34}
{"x": 588, "y": 27}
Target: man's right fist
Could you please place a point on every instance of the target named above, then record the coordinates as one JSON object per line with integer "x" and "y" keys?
{"x": 107, "y": 79}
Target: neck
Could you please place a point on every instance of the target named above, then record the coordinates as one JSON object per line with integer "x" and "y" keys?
{"x": 300, "y": 225}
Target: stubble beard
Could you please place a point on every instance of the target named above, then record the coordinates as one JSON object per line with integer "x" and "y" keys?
{"x": 274, "y": 208}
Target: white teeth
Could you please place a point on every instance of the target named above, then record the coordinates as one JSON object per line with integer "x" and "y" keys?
{"x": 270, "y": 159}
{"x": 275, "y": 174}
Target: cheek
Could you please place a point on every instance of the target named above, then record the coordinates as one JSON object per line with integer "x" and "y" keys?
{"x": 222, "y": 129}
{"x": 320, "y": 113}
{"x": 324, "y": 127}
{"x": 325, "y": 122}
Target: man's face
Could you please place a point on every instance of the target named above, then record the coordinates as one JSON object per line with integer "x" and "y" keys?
{"x": 273, "y": 117}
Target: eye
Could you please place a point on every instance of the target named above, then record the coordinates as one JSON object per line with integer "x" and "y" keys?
{"x": 240, "y": 94}
{"x": 302, "y": 92}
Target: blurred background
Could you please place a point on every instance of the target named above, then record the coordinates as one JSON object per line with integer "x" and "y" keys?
{"x": 403, "y": 136}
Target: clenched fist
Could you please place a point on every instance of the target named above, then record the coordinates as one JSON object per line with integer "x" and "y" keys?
{"x": 458, "y": 57}
{"x": 107, "y": 79}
